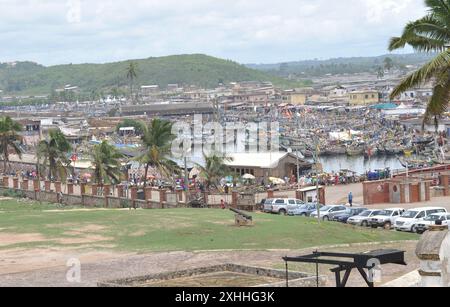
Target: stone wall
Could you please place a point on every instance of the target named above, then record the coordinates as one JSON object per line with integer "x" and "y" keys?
{"x": 376, "y": 192}
{"x": 396, "y": 191}
{"x": 93, "y": 196}
{"x": 296, "y": 279}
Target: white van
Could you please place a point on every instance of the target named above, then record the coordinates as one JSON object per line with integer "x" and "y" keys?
{"x": 408, "y": 221}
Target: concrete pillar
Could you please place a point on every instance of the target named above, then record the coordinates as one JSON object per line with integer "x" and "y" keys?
{"x": 107, "y": 190}
{"x": 180, "y": 195}
{"x": 120, "y": 191}
{"x": 6, "y": 181}
{"x": 107, "y": 194}
{"x": 444, "y": 184}
{"x": 58, "y": 187}
{"x": 148, "y": 193}
{"x": 427, "y": 191}
{"x": 83, "y": 188}
{"x": 70, "y": 188}
{"x": 299, "y": 195}
{"x": 404, "y": 193}
{"x": 162, "y": 197}
{"x": 322, "y": 199}
{"x": 234, "y": 198}
{"x": 16, "y": 183}
{"x": 47, "y": 185}
{"x": 433, "y": 251}
{"x": 206, "y": 197}
{"x": 25, "y": 185}
{"x": 36, "y": 186}
{"x": 133, "y": 193}
{"x": 94, "y": 190}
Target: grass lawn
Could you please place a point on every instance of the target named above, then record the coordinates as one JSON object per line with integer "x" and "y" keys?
{"x": 30, "y": 224}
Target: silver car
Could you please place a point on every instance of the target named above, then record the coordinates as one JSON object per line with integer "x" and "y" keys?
{"x": 327, "y": 213}
{"x": 363, "y": 218}
{"x": 268, "y": 205}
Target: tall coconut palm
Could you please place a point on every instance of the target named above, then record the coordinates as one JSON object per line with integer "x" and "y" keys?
{"x": 132, "y": 73}
{"x": 106, "y": 163}
{"x": 429, "y": 34}
{"x": 157, "y": 139}
{"x": 388, "y": 64}
{"x": 52, "y": 155}
{"x": 215, "y": 168}
{"x": 9, "y": 139}
{"x": 380, "y": 72}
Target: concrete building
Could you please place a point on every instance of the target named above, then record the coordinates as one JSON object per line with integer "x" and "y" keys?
{"x": 147, "y": 90}
{"x": 293, "y": 97}
{"x": 266, "y": 165}
{"x": 366, "y": 97}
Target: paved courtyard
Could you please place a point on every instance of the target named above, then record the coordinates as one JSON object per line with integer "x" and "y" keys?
{"x": 48, "y": 267}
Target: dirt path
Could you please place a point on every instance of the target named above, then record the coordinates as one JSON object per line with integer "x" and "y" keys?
{"x": 48, "y": 267}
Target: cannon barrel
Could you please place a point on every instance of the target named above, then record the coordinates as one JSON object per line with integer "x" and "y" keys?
{"x": 248, "y": 217}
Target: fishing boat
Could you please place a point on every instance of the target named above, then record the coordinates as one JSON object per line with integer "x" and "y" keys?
{"x": 370, "y": 152}
{"x": 355, "y": 151}
{"x": 393, "y": 150}
{"x": 335, "y": 151}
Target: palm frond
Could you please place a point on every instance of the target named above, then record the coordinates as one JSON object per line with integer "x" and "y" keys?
{"x": 424, "y": 74}
{"x": 439, "y": 101}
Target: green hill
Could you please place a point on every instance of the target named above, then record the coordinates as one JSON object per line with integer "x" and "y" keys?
{"x": 27, "y": 78}
{"x": 318, "y": 68}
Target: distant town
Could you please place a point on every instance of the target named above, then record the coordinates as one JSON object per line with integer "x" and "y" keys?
{"x": 192, "y": 171}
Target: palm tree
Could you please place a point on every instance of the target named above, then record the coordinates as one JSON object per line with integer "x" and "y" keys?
{"x": 429, "y": 34}
{"x": 9, "y": 139}
{"x": 157, "y": 138}
{"x": 131, "y": 76}
{"x": 106, "y": 163}
{"x": 52, "y": 152}
{"x": 380, "y": 72}
{"x": 388, "y": 63}
{"x": 215, "y": 168}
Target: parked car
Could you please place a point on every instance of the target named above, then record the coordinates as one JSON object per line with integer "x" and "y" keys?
{"x": 363, "y": 218}
{"x": 304, "y": 210}
{"x": 261, "y": 204}
{"x": 431, "y": 220}
{"x": 327, "y": 213}
{"x": 267, "y": 208}
{"x": 343, "y": 217}
{"x": 283, "y": 205}
{"x": 409, "y": 220}
{"x": 386, "y": 218}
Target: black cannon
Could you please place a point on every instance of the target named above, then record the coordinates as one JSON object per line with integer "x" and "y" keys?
{"x": 242, "y": 218}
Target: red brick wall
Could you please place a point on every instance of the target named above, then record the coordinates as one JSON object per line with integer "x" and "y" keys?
{"x": 375, "y": 192}
{"x": 445, "y": 184}
{"x": 414, "y": 193}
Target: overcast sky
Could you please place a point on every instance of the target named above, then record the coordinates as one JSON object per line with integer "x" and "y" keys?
{"x": 248, "y": 31}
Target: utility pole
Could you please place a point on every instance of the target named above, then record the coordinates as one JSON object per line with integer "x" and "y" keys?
{"x": 316, "y": 161}
{"x": 186, "y": 175}
{"x": 298, "y": 171}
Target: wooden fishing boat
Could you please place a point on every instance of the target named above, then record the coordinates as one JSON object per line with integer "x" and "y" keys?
{"x": 355, "y": 151}
{"x": 370, "y": 152}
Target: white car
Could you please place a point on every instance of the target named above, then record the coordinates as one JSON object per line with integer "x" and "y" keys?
{"x": 363, "y": 218}
{"x": 409, "y": 220}
{"x": 431, "y": 220}
{"x": 283, "y": 205}
{"x": 386, "y": 218}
